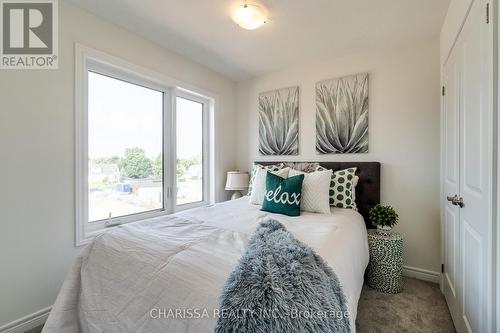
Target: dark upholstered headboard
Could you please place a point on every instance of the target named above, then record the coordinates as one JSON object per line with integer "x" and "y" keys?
{"x": 368, "y": 189}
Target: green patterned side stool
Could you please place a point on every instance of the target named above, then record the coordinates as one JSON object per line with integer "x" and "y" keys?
{"x": 384, "y": 272}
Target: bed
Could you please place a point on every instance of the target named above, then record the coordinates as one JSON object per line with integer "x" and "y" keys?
{"x": 165, "y": 274}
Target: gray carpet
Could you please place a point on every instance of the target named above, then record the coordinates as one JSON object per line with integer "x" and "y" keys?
{"x": 419, "y": 308}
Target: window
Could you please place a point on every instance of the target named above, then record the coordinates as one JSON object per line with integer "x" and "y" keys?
{"x": 139, "y": 140}
{"x": 125, "y": 148}
{"x": 189, "y": 116}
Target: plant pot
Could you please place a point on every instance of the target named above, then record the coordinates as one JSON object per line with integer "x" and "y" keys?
{"x": 384, "y": 230}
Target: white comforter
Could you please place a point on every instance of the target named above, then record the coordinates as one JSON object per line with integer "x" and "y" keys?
{"x": 147, "y": 276}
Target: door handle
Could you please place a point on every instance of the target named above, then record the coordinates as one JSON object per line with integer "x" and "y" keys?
{"x": 459, "y": 202}
{"x": 455, "y": 200}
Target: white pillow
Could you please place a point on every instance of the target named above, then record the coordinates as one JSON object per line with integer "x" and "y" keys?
{"x": 315, "y": 190}
{"x": 259, "y": 184}
{"x": 256, "y": 167}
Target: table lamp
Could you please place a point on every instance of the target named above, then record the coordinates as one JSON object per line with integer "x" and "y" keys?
{"x": 237, "y": 181}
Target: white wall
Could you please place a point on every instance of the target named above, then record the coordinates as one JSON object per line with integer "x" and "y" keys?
{"x": 37, "y": 155}
{"x": 457, "y": 10}
{"x": 403, "y": 129}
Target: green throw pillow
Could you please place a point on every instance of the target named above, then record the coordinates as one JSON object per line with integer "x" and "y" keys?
{"x": 342, "y": 188}
{"x": 283, "y": 195}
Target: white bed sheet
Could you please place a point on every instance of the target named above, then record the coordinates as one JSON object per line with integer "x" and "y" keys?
{"x": 127, "y": 276}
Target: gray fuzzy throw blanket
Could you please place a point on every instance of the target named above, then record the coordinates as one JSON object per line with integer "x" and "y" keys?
{"x": 281, "y": 285}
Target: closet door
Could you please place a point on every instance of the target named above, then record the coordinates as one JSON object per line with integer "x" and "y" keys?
{"x": 468, "y": 125}
{"x": 476, "y": 165}
{"x": 451, "y": 178}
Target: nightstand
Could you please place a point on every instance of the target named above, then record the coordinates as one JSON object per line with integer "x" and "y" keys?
{"x": 385, "y": 269}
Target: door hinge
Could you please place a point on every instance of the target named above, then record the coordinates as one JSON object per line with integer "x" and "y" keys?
{"x": 442, "y": 268}
{"x": 487, "y": 13}
{"x": 443, "y": 91}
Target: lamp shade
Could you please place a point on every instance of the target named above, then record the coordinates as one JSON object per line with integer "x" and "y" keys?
{"x": 237, "y": 180}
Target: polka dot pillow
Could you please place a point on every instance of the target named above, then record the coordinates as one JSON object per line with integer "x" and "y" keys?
{"x": 342, "y": 188}
{"x": 256, "y": 167}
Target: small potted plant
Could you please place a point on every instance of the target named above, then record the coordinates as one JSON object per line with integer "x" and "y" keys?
{"x": 384, "y": 218}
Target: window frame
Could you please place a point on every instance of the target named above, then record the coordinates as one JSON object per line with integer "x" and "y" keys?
{"x": 87, "y": 59}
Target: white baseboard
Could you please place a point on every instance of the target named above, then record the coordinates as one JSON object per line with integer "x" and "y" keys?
{"x": 421, "y": 274}
{"x": 28, "y": 322}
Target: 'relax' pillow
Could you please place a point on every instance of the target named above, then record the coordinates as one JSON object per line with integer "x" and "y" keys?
{"x": 283, "y": 196}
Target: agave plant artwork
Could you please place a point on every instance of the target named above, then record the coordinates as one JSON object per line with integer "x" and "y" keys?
{"x": 342, "y": 115}
{"x": 279, "y": 122}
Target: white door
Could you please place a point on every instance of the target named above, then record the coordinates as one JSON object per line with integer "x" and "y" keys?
{"x": 451, "y": 177}
{"x": 476, "y": 165}
{"x": 468, "y": 174}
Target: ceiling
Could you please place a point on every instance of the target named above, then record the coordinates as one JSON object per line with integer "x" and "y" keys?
{"x": 298, "y": 31}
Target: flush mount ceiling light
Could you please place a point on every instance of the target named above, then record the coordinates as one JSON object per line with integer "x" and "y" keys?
{"x": 250, "y": 16}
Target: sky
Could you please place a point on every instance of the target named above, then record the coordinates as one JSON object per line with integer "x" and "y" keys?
{"x": 124, "y": 115}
